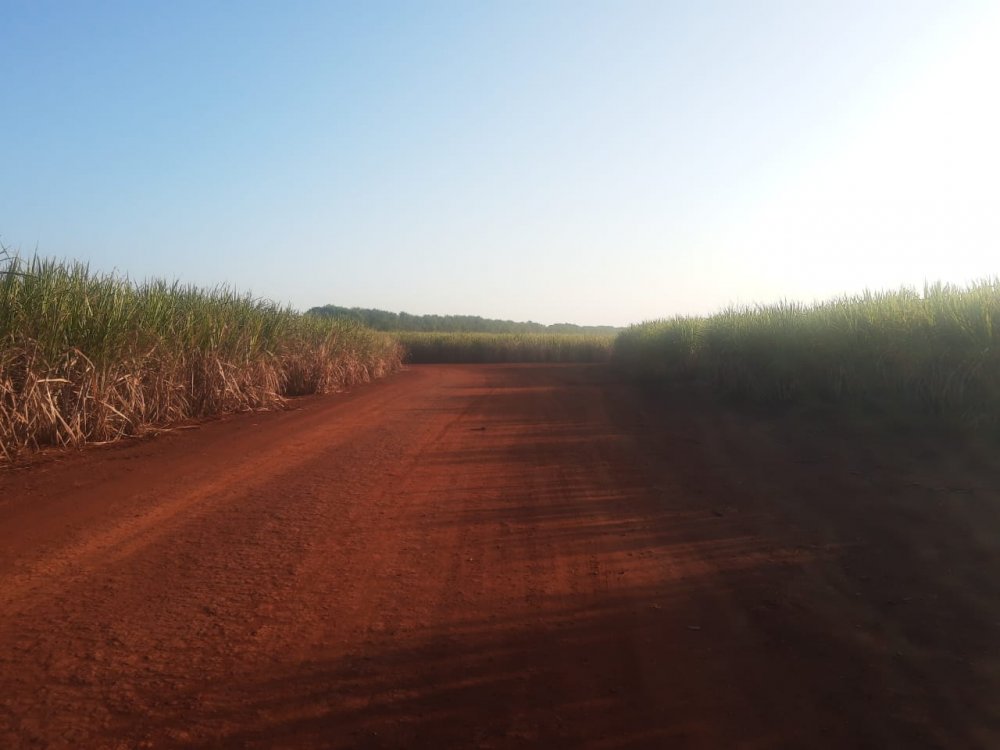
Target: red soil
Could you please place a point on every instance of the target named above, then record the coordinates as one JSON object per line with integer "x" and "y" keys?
{"x": 494, "y": 557}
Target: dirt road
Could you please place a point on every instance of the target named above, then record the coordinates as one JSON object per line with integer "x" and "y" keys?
{"x": 498, "y": 557}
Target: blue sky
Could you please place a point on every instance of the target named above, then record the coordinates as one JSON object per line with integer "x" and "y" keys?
{"x": 565, "y": 161}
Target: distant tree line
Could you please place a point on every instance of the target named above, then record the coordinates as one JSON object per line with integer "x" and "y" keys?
{"x": 382, "y": 320}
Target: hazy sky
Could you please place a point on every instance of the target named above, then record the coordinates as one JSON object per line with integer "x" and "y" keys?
{"x": 558, "y": 161}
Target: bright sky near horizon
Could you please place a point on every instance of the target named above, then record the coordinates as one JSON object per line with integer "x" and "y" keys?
{"x": 589, "y": 162}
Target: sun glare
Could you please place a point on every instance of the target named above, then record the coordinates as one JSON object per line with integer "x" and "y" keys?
{"x": 907, "y": 193}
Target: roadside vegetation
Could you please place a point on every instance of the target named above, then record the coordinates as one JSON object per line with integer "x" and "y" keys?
{"x": 937, "y": 353}
{"x": 87, "y": 357}
{"x": 455, "y": 348}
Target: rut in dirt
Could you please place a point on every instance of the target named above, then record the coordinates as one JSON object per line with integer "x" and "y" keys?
{"x": 503, "y": 556}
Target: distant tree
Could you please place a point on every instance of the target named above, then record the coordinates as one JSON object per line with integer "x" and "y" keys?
{"x": 382, "y": 320}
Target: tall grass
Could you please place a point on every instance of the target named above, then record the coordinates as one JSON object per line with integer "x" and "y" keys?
{"x": 90, "y": 357}
{"x": 936, "y": 352}
{"x": 427, "y": 348}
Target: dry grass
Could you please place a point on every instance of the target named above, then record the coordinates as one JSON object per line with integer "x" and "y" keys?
{"x": 86, "y": 357}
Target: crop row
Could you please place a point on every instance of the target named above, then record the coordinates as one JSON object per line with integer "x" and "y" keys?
{"x": 87, "y": 357}
{"x": 455, "y": 348}
{"x": 937, "y": 352}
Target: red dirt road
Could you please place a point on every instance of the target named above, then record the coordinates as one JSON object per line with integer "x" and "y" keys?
{"x": 500, "y": 557}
